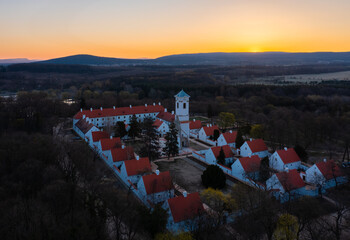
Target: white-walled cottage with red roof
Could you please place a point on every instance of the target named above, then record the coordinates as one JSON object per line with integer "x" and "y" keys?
{"x": 84, "y": 128}
{"x": 247, "y": 168}
{"x": 116, "y": 156}
{"x": 288, "y": 185}
{"x": 284, "y": 158}
{"x": 161, "y": 126}
{"x": 213, "y": 153}
{"x": 155, "y": 188}
{"x": 184, "y": 212}
{"x": 195, "y": 126}
{"x": 254, "y": 147}
{"x": 106, "y": 144}
{"x": 132, "y": 170}
{"x": 96, "y": 137}
{"x": 326, "y": 174}
{"x": 206, "y": 134}
{"x": 228, "y": 138}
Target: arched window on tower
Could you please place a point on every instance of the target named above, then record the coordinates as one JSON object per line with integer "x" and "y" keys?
{"x": 184, "y": 105}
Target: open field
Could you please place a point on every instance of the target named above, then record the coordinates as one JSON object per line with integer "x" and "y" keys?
{"x": 305, "y": 78}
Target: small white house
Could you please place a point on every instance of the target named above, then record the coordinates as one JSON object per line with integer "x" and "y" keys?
{"x": 117, "y": 156}
{"x": 132, "y": 170}
{"x": 213, "y": 153}
{"x": 183, "y": 212}
{"x": 228, "y": 138}
{"x": 325, "y": 174}
{"x": 161, "y": 126}
{"x": 106, "y": 144}
{"x": 96, "y": 137}
{"x": 155, "y": 188}
{"x": 195, "y": 126}
{"x": 247, "y": 168}
{"x": 286, "y": 158}
{"x": 286, "y": 185}
{"x": 254, "y": 147}
{"x": 206, "y": 134}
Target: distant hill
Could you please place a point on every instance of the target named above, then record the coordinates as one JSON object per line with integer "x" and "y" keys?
{"x": 264, "y": 58}
{"x": 15, "y": 60}
{"x": 84, "y": 59}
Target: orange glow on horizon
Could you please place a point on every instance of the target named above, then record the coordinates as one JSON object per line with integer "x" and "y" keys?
{"x": 155, "y": 28}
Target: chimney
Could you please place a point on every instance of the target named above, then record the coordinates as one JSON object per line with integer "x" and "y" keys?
{"x": 87, "y": 119}
{"x": 172, "y": 112}
{"x": 230, "y": 131}
{"x": 184, "y": 193}
{"x": 210, "y": 125}
{"x": 110, "y": 137}
{"x": 286, "y": 169}
{"x": 157, "y": 172}
{"x": 146, "y": 105}
{"x": 154, "y": 104}
{"x": 207, "y": 125}
{"x": 159, "y": 104}
{"x": 84, "y": 116}
{"x": 285, "y": 148}
{"x": 81, "y": 109}
{"x": 325, "y": 160}
{"x": 101, "y": 108}
{"x": 90, "y": 109}
{"x": 165, "y": 110}
{"x": 194, "y": 119}
{"x": 251, "y": 139}
{"x": 130, "y": 106}
{"x": 114, "y": 107}
{"x": 123, "y": 146}
{"x": 249, "y": 155}
{"x": 137, "y": 157}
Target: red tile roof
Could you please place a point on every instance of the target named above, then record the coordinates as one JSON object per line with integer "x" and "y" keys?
{"x": 195, "y": 124}
{"x": 98, "y": 135}
{"x": 257, "y": 145}
{"x": 157, "y": 123}
{"x": 184, "y": 208}
{"x": 120, "y": 154}
{"x": 166, "y": 116}
{"x": 158, "y": 183}
{"x": 288, "y": 156}
{"x": 108, "y": 143}
{"x": 227, "y": 150}
{"x": 290, "y": 180}
{"x": 209, "y": 131}
{"x": 137, "y": 167}
{"x": 230, "y": 137}
{"x": 96, "y": 113}
{"x": 83, "y": 125}
{"x": 250, "y": 164}
{"x": 329, "y": 169}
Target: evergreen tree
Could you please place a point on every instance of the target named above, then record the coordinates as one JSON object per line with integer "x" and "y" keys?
{"x": 171, "y": 145}
{"x": 301, "y": 152}
{"x": 213, "y": 177}
{"x": 120, "y": 130}
{"x": 210, "y": 111}
{"x": 134, "y": 127}
{"x": 239, "y": 139}
{"x": 151, "y": 140}
{"x": 216, "y": 134}
{"x": 221, "y": 157}
{"x": 264, "y": 171}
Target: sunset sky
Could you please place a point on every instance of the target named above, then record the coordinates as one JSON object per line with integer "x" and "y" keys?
{"x": 42, "y": 29}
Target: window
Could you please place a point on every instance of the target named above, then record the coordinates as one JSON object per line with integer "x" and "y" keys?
{"x": 177, "y": 105}
{"x": 184, "y": 105}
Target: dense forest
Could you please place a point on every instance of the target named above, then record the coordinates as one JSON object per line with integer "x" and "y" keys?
{"x": 54, "y": 188}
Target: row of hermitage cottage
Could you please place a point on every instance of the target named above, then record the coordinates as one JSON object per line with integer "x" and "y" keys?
{"x": 291, "y": 178}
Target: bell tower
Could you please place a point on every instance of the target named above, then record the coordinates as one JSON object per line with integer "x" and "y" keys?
{"x": 182, "y": 101}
